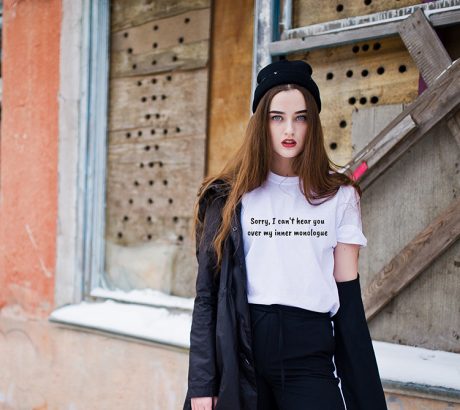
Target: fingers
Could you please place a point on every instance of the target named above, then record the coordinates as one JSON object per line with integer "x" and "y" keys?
{"x": 202, "y": 403}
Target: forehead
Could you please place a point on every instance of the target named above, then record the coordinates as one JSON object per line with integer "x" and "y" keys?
{"x": 289, "y": 99}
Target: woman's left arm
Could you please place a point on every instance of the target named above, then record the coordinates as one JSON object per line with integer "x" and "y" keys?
{"x": 346, "y": 261}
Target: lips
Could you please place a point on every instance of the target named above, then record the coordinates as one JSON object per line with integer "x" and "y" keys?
{"x": 288, "y": 143}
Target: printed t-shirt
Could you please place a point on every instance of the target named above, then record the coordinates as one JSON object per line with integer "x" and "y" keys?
{"x": 289, "y": 243}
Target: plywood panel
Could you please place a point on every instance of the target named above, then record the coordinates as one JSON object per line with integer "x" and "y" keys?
{"x": 156, "y": 142}
{"x": 356, "y": 76}
{"x": 231, "y": 67}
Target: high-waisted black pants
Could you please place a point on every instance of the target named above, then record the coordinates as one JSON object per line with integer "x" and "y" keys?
{"x": 293, "y": 353}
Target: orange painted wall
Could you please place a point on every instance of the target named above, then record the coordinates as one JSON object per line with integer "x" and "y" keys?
{"x": 29, "y": 155}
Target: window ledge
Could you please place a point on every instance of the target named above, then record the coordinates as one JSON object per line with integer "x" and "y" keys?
{"x": 421, "y": 371}
{"x": 156, "y": 324}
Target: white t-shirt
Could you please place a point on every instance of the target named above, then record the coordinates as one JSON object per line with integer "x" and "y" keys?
{"x": 289, "y": 244}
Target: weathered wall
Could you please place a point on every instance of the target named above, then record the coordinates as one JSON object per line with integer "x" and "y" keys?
{"x": 49, "y": 367}
{"x": 28, "y": 184}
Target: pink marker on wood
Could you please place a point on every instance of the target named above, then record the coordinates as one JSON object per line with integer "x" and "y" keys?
{"x": 360, "y": 170}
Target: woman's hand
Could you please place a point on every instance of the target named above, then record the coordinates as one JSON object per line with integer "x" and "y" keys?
{"x": 204, "y": 403}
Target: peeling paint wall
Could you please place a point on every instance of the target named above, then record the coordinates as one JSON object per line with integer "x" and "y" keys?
{"x": 28, "y": 184}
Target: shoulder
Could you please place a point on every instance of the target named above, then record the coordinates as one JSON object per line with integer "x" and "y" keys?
{"x": 348, "y": 194}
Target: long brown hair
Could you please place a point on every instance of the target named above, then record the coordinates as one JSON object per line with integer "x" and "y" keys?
{"x": 247, "y": 169}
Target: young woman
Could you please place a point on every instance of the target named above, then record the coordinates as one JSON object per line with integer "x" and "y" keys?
{"x": 278, "y": 321}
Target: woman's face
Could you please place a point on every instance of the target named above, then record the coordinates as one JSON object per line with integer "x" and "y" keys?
{"x": 287, "y": 125}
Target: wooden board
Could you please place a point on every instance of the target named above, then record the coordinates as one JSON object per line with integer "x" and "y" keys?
{"x": 158, "y": 97}
{"x": 130, "y": 13}
{"x": 306, "y": 12}
{"x": 382, "y": 73}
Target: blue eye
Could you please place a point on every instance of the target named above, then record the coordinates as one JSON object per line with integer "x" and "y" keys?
{"x": 276, "y": 116}
{"x": 303, "y": 117}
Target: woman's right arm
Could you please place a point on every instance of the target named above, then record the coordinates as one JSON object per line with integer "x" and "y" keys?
{"x": 203, "y": 377}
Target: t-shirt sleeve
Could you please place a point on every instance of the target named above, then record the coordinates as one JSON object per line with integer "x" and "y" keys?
{"x": 349, "y": 224}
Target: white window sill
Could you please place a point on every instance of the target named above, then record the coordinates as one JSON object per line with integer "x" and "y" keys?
{"x": 401, "y": 367}
{"x": 157, "y": 324}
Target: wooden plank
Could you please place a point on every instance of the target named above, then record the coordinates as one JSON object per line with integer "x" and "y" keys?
{"x": 128, "y": 13}
{"x": 360, "y": 28}
{"x": 307, "y": 12}
{"x": 162, "y": 101}
{"x": 405, "y": 267}
{"x": 185, "y": 28}
{"x": 230, "y": 88}
{"x": 424, "y": 46}
{"x": 429, "y": 109}
{"x": 183, "y": 57}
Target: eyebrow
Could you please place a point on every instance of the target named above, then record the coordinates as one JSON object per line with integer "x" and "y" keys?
{"x": 281, "y": 112}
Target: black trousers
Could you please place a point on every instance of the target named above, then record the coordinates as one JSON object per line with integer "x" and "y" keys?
{"x": 293, "y": 358}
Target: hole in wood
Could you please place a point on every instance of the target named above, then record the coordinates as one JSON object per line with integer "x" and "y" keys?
{"x": 350, "y": 73}
{"x": 339, "y": 7}
{"x": 169, "y": 78}
{"x": 155, "y": 27}
{"x": 355, "y": 49}
{"x": 165, "y": 131}
{"x": 170, "y": 200}
{"x": 143, "y": 99}
{"x": 125, "y": 218}
{"x": 174, "y": 58}
{"x": 186, "y": 20}
{"x": 377, "y": 46}
{"x": 130, "y": 50}
{"x": 154, "y": 80}
{"x": 402, "y": 68}
{"x": 150, "y": 201}
{"x": 147, "y": 147}
{"x": 367, "y": 2}
{"x": 152, "y": 132}
{"x": 380, "y": 70}
{"x": 181, "y": 40}
{"x": 128, "y": 135}
{"x": 151, "y": 164}
{"x": 147, "y": 116}
{"x": 130, "y": 201}
{"x": 139, "y": 83}
{"x": 126, "y": 34}
{"x": 363, "y": 100}
{"x": 136, "y": 183}
{"x": 163, "y": 97}
{"x": 175, "y": 219}
{"x": 343, "y": 124}
{"x": 365, "y": 47}
{"x": 157, "y": 115}
{"x": 180, "y": 238}
{"x": 374, "y": 99}
{"x": 352, "y": 100}
{"x": 149, "y": 237}
{"x": 155, "y": 45}
{"x": 157, "y": 147}
{"x": 151, "y": 182}
{"x": 329, "y": 76}
{"x": 154, "y": 62}
{"x": 134, "y": 66}
{"x": 120, "y": 234}
{"x": 141, "y": 165}
{"x": 165, "y": 182}
{"x": 154, "y": 97}
{"x": 177, "y": 129}
{"x": 364, "y": 73}
{"x": 333, "y": 145}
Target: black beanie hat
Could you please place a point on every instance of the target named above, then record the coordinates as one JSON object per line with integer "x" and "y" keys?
{"x": 285, "y": 72}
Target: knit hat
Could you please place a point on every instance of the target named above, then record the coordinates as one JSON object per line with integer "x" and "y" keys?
{"x": 285, "y": 72}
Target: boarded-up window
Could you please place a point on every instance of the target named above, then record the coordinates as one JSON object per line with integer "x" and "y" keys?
{"x": 156, "y": 142}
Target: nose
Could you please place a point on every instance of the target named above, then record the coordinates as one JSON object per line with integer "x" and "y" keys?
{"x": 289, "y": 128}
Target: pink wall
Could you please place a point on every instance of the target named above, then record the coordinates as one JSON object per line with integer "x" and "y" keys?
{"x": 28, "y": 155}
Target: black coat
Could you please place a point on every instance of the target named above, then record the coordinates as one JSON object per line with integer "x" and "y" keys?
{"x": 221, "y": 361}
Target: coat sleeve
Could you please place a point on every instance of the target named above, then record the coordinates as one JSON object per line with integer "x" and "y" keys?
{"x": 354, "y": 356}
{"x": 203, "y": 378}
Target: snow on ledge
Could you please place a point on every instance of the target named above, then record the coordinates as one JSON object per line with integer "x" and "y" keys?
{"x": 145, "y": 322}
{"x": 399, "y": 363}
{"x": 409, "y": 364}
{"x": 145, "y": 296}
